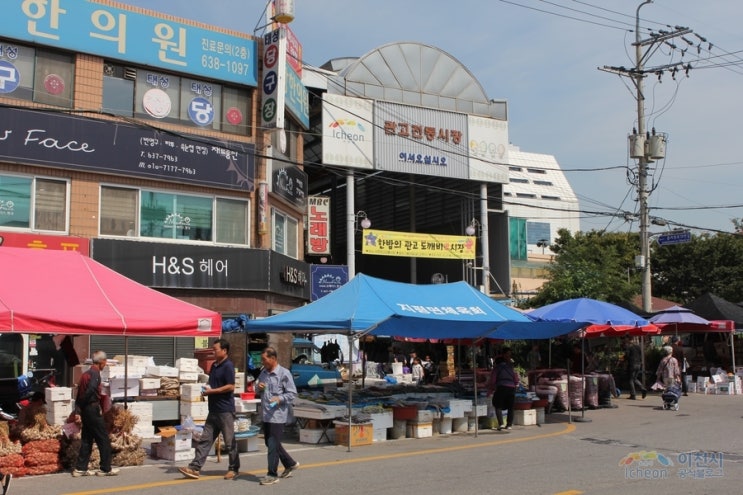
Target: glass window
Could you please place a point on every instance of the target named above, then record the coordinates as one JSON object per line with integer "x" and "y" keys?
{"x": 134, "y": 213}
{"x": 157, "y": 95}
{"x": 285, "y": 234}
{"x": 54, "y": 79}
{"x": 15, "y": 201}
{"x": 236, "y": 111}
{"x": 50, "y": 212}
{"x": 118, "y": 211}
{"x": 118, "y": 96}
{"x": 232, "y": 221}
{"x": 201, "y": 103}
{"x": 37, "y": 75}
{"x": 172, "y": 216}
{"x": 27, "y": 203}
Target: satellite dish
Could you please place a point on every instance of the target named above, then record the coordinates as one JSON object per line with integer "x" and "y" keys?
{"x": 438, "y": 278}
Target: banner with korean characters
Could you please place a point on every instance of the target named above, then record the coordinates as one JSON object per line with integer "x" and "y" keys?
{"x": 417, "y": 245}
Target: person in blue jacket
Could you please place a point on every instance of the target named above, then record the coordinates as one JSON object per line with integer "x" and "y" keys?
{"x": 277, "y": 389}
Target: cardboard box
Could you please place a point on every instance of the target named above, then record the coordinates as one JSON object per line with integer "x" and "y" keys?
{"x": 360, "y": 434}
{"x": 178, "y": 442}
{"x": 52, "y": 394}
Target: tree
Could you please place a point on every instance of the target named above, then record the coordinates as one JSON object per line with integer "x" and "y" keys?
{"x": 595, "y": 264}
{"x": 709, "y": 263}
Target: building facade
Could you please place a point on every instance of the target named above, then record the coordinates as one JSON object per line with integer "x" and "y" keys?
{"x": 138, "y": 136}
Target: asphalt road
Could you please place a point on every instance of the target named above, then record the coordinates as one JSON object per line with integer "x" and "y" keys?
{"x": 637, "y": 448}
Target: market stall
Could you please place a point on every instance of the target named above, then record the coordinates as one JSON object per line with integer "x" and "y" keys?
{"x": 67, "y": 293}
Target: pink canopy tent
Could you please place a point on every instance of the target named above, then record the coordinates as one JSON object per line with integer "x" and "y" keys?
{"x": 65, "y": 292}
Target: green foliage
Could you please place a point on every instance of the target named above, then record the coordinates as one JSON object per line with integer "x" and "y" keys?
{"x": 597, "y": 265}
{"x": 709, "y": 263}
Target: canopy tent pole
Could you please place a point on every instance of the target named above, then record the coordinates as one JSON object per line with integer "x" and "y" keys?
{"x": 350, "y": 389}
{"x": 582, "y": 418}
{"x": 474, "y": 369}
{"x": 126, "y": 375}
{"x": 732, "y": 355}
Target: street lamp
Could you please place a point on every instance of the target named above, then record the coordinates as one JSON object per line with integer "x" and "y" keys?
{"x": 360, "y": 218}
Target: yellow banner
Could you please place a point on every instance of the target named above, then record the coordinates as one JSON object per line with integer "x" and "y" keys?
{"x": 415, "y": 245}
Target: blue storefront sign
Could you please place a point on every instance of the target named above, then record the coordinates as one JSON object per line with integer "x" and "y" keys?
{"x": 326, "y": 278}
{"x": 99, "y": 29}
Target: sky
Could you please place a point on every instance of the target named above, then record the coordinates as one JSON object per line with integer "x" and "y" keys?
{"x": 543, "y": 58}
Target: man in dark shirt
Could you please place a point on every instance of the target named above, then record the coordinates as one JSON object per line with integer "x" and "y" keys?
{"x": 633, "y": 358}
{"x": 221, "y": 418}
{"x": 88, "y": 406}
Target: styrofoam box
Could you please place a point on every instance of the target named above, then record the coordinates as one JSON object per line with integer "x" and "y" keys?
{"x": 691, "y": 387}
{"x": 249, "y": 444}
{"x": 164, "y": 371}
{"x": 702, "y": 380}
{"x": 379, "y": 435}
{"x": 419, "y": 430}
{"x": 139, "y": 408}
{"x": 52, "y": 394}
{"x": 144, "y": 430}
{"x": 327, "y": 412}
{"x": 424, "y": 416}
{"x": 187, "y": 364}
{"x": 191, "y": 392}
{"x": 725, "y": 390}
{"x": 117, "y": 387}
{"x": 188, "y": 376}
{"x": 57, "y": 418}
{"x": 526, "y": 417}
{"x": 169, "y": 454}
{"x": 149, "y": 383}
{"x": 61, "y": 406}
{"x": 194, "y": 409}
{"x": 312, "y": 435}
{"x": 239, "y": 382}
{"x": 479, "y": 410}
{"x": 382, "y": 420}
{"x": 180, "y": 441}
{"x": 244, "y": 406}
{"x": 132, "y": 360}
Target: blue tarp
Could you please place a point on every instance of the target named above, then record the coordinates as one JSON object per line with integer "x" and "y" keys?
{"x": 438, "y": 311}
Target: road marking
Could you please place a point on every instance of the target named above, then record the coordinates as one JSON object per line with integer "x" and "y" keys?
{"x": 569, "y": 492}
{"x": 568, "y": 428}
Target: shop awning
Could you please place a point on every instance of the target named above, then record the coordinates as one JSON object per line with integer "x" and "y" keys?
{"x": 65, "y": 292}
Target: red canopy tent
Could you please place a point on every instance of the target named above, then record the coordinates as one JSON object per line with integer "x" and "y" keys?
{"x": 65, "y": 292}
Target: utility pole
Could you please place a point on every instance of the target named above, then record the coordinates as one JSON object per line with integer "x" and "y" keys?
{"x": 645, "y": 147}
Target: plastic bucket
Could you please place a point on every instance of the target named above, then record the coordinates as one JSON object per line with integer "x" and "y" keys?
{"x": 445, "y": 427}
{"x": 459, "y": 425}
{"x": 397, "y": 368}
{"x": 398, "y": 430}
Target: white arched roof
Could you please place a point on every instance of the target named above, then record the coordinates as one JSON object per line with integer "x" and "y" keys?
{"x": 415, "y": 74}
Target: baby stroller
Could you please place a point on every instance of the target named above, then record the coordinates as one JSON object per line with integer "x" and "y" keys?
{"x": 671, "y": 397}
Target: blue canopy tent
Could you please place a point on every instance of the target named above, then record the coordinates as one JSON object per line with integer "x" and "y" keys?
{"x": 373, "y": 306}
